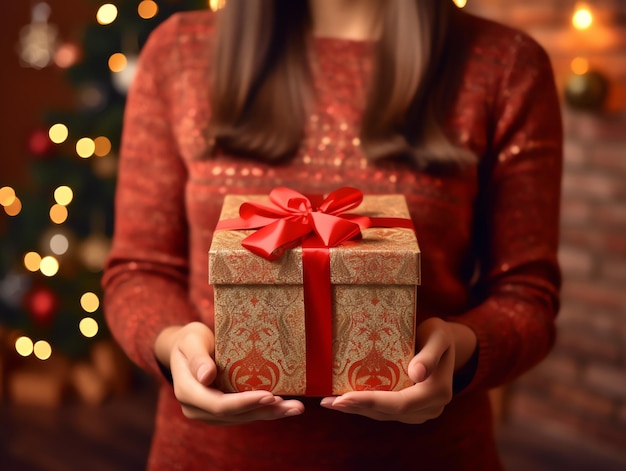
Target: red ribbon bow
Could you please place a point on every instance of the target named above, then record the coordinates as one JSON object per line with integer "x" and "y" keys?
{"x": 292, "y": 219}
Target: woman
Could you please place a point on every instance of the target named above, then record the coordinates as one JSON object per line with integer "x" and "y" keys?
{"x": 457, "y": 113}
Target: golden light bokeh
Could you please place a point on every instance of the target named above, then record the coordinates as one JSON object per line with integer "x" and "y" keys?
{"x": 7, "y": 196}
{"x": 582, "y": 18}
{"x": 49, "y": 266}
{"x": 58, "y": 133}
{"x": 103, "y": 146}
{"x": 117, "y": 62}
{"x": 58, "y": 214}
{"x": 89, "y": 302}
{"x": 88, "y": 327}
{"x": 580, "y": 66}
{"x": 147, "y": 9}
{"x": 42, "y": 350}
{"x": 63, "y": 195}
{"x": 32, "y": 261}
{"x": 85, "y": 147}
{"x": 460, "y": 3}
{"x": 216, "y": 4}
{"x": 106, "y": 14}
{"x": 24, "y": 346}
{"x": 14, "y": 208}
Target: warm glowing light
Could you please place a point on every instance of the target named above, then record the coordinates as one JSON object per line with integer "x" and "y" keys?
{"x": 582, "y": 18}
{"x": 32, "y": 261}
{"x": 66, "y": 55}
{"x": 89, "y": 302}
{"x": 103, "y": 146}
{"x": 88, "y": 327}
{"x": 460, "y": 3}
{"x": 7, "y": 196}
{"x": 58, "y": 214}
{"x": 216, "y": 4}
{"x": 580, "y": 66}
{"x": 63, "y": 195}
{"x": 59, "y": 244}
{"x": 58, "y": 133}
{"x": 107, "y": 14}
{"x": 49, "y": 266}
{"x": 42, "y": 350}
{"x": 117, "y": 62}
{"x": 85, "y": 147}
{"x": 14, "y": 208}
{"x": 147, "y": 9}
{"x": 24, "y": 346}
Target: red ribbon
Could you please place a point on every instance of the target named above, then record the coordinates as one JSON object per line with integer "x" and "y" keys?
{"x": 292, "y": 219}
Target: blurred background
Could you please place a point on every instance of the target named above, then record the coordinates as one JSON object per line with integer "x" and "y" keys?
{"x": 69, "y": 399}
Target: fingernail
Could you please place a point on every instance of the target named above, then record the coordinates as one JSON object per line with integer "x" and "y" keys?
{"x": 292, "y": 412}
{"x": 327, "y": 401}
{"x": 267, "y": 400}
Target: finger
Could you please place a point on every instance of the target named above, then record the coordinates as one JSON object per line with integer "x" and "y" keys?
{"x": 281, "y": 409}
{"x": 198, "y": 347}
{"x": 435, "y": 343}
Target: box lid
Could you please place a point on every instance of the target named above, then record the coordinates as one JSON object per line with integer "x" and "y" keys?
{"x": 382, "y": 256}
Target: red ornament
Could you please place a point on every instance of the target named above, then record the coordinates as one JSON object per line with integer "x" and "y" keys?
{"x": 39, "y": 143}
{"x": 42, "y": 304}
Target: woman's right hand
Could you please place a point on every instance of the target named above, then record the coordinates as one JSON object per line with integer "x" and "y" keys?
{"x": 188, "y": 352}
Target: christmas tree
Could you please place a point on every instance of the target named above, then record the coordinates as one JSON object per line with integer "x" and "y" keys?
{"x": 59, "y": 224}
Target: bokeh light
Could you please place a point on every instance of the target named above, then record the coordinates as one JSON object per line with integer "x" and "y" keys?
{"x": 42, "y": 350}
{"x": 106, "y": 14}
{"x": 49, "y": 266}
{"x": 103, "y": 146}
{"x": 85, "y": 147}
{"x": 582, "y": 18}
{"x": 117, "y": 62}
{"x": 89, "y": 302}
{"x": 58, "y": 214}
{"x": 32, "y": 261}
{"x": 63, "y": 195}
{"x": 24, "y": 346}
{"x": 14, "y": 208}
{"x": 88, "y": 327}
{"x": 58, "y": 133}
{"x": 7, "y": 196}
{"x": 148, "y": 9}
{"x": 59, "y": 244}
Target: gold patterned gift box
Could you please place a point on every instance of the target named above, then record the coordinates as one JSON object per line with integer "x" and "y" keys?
{"x": 261, "y": 320}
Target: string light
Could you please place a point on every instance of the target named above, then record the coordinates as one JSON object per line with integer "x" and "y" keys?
{"x": 24, "y": 346}
{"x": 58, "y": 133}
{"x": 85, "y": 147}
{"x": 63, "y": 195}
{"x": 88, "y": 327}
{"x": 106, "y": 14}
{"x": 103, "y": 146}
{"x": 42, "y": 350}
{"x": 147, "y": 9}
{"x": 49, "y": 266}
{"x": 582, "y": 18}
{"x": 117, "y": 62}
{"x": 32, "y": 261}
{"x": 460, "y": 3}
{"x": 58, "y": 214}
{"x": 89, "y": 302}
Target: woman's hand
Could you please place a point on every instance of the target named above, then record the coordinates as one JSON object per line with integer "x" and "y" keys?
{"x": 188, "y": 352}
{"x": 445, "y": 347}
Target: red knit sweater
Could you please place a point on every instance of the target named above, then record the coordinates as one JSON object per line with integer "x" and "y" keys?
{"x": 503, "y": 212}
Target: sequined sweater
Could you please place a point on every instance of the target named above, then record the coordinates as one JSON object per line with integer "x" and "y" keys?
{"x": 500, "y": 214}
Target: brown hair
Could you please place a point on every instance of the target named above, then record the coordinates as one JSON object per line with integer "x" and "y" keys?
{"x": 262, "y": 81}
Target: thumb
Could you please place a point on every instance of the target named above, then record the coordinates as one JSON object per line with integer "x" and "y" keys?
{"x": 434, "y": 344}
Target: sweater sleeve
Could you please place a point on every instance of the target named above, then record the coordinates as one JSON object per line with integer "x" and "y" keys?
{"x": 146, "y": 276}
{"x": 518, "y": 220}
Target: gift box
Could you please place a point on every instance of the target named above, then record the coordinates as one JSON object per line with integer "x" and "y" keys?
{"x": 344, "y": 322}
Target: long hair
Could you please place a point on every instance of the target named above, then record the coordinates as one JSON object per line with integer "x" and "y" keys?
{"x": 262, "y": 81}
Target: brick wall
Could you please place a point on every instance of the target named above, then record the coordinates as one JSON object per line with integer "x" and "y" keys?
{"x": 580, "y": 389}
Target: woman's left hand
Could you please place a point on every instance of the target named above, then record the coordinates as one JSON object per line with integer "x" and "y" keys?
{"x": 445, "y": 347}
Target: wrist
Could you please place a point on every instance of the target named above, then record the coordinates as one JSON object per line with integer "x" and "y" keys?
{"x": 465, "y": 343}
{"x": 164, "y": 343}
